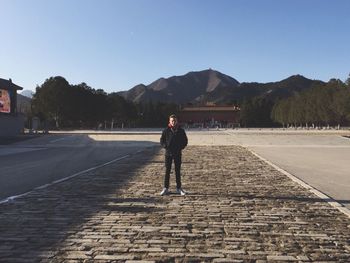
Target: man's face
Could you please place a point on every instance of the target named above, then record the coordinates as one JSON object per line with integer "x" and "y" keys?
{"x": 172, "y": 121}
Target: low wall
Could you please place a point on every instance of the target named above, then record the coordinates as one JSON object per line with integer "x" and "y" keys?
{"x": 11, "y": 125}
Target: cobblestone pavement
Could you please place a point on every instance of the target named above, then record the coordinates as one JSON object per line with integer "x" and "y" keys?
{"x": 239, "y": 209}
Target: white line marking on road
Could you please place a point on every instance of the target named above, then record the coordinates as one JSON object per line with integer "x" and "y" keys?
{"x": 313, "y": 190}
{"x": 11, "y": 198}
{"x": 295, "y": 146}
{"x": 57, "y": 140}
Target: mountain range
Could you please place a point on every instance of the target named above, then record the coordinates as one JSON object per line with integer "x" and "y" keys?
{"x": 211, "y": 86}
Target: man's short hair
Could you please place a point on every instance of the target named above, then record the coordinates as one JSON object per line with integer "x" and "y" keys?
{"x": 172, "y": 116}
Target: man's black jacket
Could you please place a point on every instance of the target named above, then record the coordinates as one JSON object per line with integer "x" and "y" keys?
{"x": 173, "y": 140}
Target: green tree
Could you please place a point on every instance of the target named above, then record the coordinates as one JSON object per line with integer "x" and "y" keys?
{"x": 340, "y": 104}
{"x": 51, "y": 100}
{"x": 121, "y": 111}
{"x": 86, "y": 111}
{"x": 256, "y": 112}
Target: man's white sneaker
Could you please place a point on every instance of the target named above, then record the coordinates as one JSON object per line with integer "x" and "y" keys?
{"x": 180, "y": 191}
{"x": 164, "y": 191}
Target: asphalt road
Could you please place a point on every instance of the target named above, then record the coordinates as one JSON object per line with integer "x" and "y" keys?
{"x": 31, "y": 163}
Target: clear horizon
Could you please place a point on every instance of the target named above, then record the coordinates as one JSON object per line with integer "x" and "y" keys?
{"x": 115, "y": 45}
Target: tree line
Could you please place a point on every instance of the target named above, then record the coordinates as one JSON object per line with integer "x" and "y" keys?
{"x": 324, "y": 104}
{"x": 62, "y": 105}
{"x": 59, "y": 104}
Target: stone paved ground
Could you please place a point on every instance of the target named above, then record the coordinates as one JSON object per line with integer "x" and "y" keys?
{"x": 239, "y": 210}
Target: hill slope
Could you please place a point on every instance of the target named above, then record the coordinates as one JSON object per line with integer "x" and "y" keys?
{"x": 212, "y": 86}
{"x": 182, "y": 89}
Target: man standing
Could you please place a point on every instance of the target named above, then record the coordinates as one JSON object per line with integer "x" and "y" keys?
{"x": 174, "y": 140}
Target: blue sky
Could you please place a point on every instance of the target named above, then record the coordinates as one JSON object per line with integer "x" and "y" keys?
{"x": 116, "y": 44}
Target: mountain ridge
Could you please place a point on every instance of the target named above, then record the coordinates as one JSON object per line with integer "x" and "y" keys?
{"x": 211, "y": 86}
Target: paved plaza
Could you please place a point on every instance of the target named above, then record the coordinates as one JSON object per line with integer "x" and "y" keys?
{"x": 238, "y": 209}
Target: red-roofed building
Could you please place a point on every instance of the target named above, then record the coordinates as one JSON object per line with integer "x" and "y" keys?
{"x": 210, "y": 116}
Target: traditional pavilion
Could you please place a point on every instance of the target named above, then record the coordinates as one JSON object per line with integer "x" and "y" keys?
{"x": 210, "y": 116}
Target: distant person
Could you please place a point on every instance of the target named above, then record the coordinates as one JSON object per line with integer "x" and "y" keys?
{"x": 173, "y": 140}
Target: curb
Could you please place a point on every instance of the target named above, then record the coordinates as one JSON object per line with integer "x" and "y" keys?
{"x": 313, "y": 190}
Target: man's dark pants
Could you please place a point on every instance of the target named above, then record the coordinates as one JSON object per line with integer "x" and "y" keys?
{"x": 168, "y": 161}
